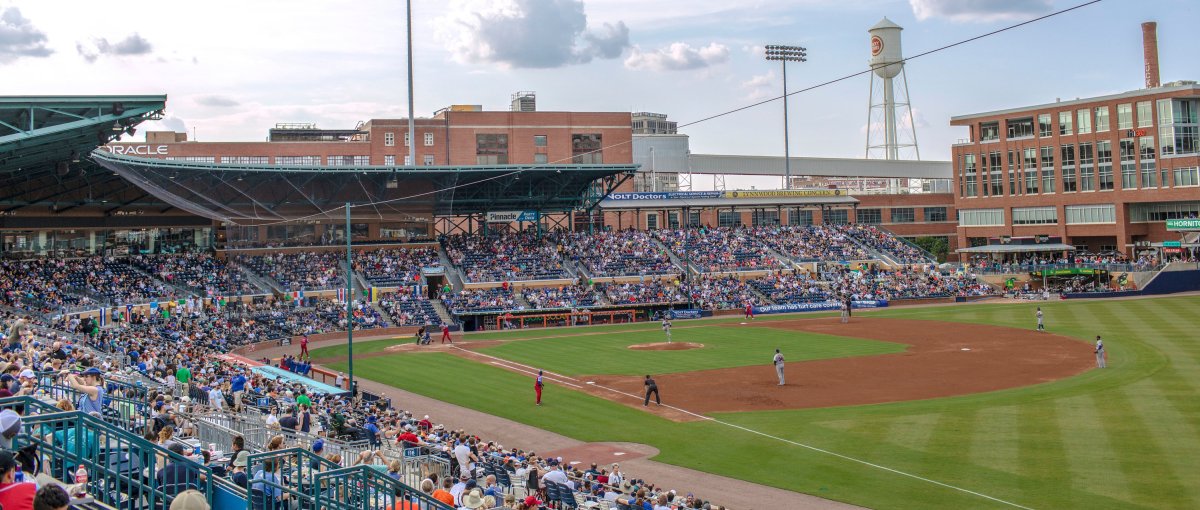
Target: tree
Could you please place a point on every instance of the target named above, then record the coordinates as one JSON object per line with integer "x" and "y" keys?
{"x": 938, "y": 246}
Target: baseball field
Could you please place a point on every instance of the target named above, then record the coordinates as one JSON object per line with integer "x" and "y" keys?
{"x": 949, "y": 407}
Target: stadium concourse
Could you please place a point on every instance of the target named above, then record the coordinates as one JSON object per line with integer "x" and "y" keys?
{"x": 140, "y": 344}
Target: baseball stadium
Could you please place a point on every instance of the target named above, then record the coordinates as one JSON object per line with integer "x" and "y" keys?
{"x": 544, "y": 313}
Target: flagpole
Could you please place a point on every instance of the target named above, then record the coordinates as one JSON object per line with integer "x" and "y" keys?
{"x": 349, "y": 303}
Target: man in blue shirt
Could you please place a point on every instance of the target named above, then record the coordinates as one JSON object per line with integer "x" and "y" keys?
{"x": 238, "y": 387}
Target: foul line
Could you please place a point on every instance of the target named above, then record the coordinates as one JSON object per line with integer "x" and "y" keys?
{"x": 503, "y": 362}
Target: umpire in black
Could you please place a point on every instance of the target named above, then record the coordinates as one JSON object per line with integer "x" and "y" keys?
{"x": 651, "y": 387}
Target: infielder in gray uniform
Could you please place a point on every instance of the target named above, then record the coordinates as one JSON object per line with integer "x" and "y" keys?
{"x": 1040, "y": 326}
{"x": 1100, "y": 362}
{"x": 779, "y": 365}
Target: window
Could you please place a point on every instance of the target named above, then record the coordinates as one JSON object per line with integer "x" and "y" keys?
{"x": 1101, "y": 119}
{"x": 1145, "y": 116}
{"x": 673, "y": 220}
{"x": 1101, "y": 213}
{"x": 904, "y": 215}
{"x": 729, "y": 219}
{"x": 1034, "y": 215}
{"x": 491, "y": 149}
{"x": 389, "y": 139}
{"x": 989, "y": 131}
{"x": 1068, "y": 167}
{"x": 1045, "y": 127}
{"x": 1128, "y": 166}
{"x": 1187, "y": 176}
{"x": 981, "y": 217}
{"x": 429, "y": 139}
{"x": 1013, "y": 163}
{"x": 1047, "y": 169}
{"x": 406, "y": 139}
{"x": 1031, "y": 171}
{"x": 1124, "y": 116}
{"x": 427, "y": 160}
{"x": 693, "y": 219}
{"x": 298, "y": 160}
{"x": 539, "y": 140}
{"x": 586, "y": 149}
{"x": 1083, "y": 119}
{"x": 837, "y": 217}
{"x": 800, "y": 217}
{"x": 1177, "y": 128}
{"x": 870, "y": 216}
{"x": 1104, "y": 164}
{"x": 935, "y": 214}
{"x": 246, "y": 160}
{"x": 1162, "y": 211}
{"x": 1064, "y": 123}
{"x": 969, "y": 175}
{"x": 348, "y": 160}
{"x": 997, "y": 184}
{"x": 651, "y": 221}
{"x": 1147, "y": 151}
{"x": 389, "y": 160}
{"x": 1019, "y": 128}
{"x": 1087, "y": 177}
{"x": 408, "y": 160}
{"x": 764, "y": 218}
{"x": 540, "y": 159}
{"x": 192, "y": 159}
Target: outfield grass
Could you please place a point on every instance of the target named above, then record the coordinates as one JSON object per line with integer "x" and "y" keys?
{"x": 1124, "y": 437}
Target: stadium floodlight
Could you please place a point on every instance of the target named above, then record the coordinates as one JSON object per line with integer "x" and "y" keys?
{"x": 785, "y": 54}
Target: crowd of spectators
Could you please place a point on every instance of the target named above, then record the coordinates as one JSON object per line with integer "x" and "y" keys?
{"x": 480, "y": 300}
{"x": 719, "y": 293}
{"x": 506, "y": 257}
{"x": 307, "y": 270}
{"x": 618, "y": 253}
{"x": 648, "y": 291}
{"x": 790, "y": 287}
{"x": 811, "y": 242}
{"x": 394, "y": 267}
{"x": 201, "y": 273}
{"x": 885, "y": 243}
{"x": 719, "y": 249}
{"x": 882, "y": 284}
{"x": 563, "y": 296}
{"x": 38, "y": 285}
{"x": 408, "y": 309}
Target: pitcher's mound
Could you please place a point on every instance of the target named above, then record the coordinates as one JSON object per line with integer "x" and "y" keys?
{"x": 663, "y": 346}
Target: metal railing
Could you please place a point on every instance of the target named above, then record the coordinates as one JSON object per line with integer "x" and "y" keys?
{"x": 1035, "y": 268}
{"x": 121, "y": 466}
{"x": 285, "y": 478}
{"x": 365, "y": 488}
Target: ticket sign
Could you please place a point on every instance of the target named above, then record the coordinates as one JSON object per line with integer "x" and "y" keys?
{"x": 1184, "y": 224}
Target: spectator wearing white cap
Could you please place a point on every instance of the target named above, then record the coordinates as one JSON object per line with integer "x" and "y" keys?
{"x": 10, "y": 426}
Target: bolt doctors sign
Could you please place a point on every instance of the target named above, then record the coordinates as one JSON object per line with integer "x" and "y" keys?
{"x": 140, "y": 150}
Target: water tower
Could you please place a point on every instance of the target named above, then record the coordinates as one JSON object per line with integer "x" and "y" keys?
{"x": 887, "y": 101}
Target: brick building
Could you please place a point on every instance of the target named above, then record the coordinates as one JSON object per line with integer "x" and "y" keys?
{"x": 1102, "y": 173}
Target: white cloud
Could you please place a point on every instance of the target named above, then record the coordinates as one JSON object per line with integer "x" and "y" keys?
{"x": 757, "y": 50}
{"x": 217, "y": 101}
{"x": 760, "y": 86}
{"x": 978, "y": 10}
{"x": 19, "y": 38}
{"x": 528, "y": 33}
{"x": 678, "y": 57}
{"x": 131, "y": 45}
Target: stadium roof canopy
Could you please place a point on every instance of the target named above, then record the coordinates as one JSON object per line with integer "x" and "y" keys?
{"x": 257, "y": 194}
{"x": 44, "y": 141}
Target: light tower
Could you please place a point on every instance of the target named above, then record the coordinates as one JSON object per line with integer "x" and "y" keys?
{"x": 887, "y": 62}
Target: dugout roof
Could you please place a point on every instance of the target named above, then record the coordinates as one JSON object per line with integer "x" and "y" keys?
{"x": 269, "y": 193}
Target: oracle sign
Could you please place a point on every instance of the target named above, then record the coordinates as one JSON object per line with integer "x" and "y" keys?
{"x": 140, "y": 150}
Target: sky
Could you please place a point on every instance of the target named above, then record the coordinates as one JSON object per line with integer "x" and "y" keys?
{"x": 232, "y": 70}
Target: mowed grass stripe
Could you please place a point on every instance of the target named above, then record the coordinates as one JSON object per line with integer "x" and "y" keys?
{"x": 1094, "y": 463}
{"x": 1172, "y": 434}
{"x": 912, "y": 432}
{"x": 994, "y": 439}
{"x": 1040, "y": 452}
{"x": 1152, "y": 481}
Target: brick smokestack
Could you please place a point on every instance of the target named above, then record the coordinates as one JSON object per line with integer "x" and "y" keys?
{"x": 1150, "y": 52}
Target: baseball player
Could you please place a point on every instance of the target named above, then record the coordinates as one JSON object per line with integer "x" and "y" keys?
{"x": 304, "y": 346}
{"x": 845, "y": 313}
{"x": 1100, "y": 362}
{"x": 446, "y": 333}
{"x": 1040, "y": 326}
{"x": 651, "y": 387}
{"x": 537, "y": 388}
{"x": 749, "y": 310}
{"x": 666, "y": 325}
{"x": 778, "y": 360}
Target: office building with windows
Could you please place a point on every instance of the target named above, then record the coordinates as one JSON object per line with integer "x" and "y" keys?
{"x": 1102, "y": 173}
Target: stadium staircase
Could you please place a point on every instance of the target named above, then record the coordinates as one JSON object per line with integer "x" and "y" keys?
{"x": 179, "y": 290}
{"x": 259, "y": 281}
{"x": 442, "y": 311}
{"x": 788, "y": 262}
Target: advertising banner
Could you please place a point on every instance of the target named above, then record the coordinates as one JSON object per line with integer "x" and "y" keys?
{"x": 669, "y": 195}
{"x": 511, "y": 216}
{"x": 1184, "y": 224}
{"x": 819, "y": 306}
{"x": 786, "y": 193}
{"x": 686, "y": 314}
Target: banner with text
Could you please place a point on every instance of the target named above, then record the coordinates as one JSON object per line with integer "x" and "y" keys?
{"x": 786, "y": 193}
{"x": 1184, "y": 224}
{"x": 686, "y": 314}
{"x": 819, "y": 306}
{"x": 670, "y": 195}
{"x": 511, "y": 216}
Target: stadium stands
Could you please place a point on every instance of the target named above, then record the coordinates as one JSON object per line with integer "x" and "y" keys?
{"x": 719, "y": 249}
{"x": 202, "y": 274}
{"x": 505, "y": 257}
{"x": 573, "y": 296}
{"x": 393, "y": 267}
{"x": 299, "y": 271}
{"x": 619, "y": 253}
